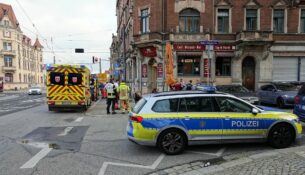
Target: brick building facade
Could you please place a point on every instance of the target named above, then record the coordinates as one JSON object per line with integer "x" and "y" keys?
{"x": 258, "y": 41}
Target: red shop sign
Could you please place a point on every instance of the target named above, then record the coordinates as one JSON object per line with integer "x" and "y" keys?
{"x": 189, "y": 47}
{"x": 149, "y": 51}
{"x": 224, "y": 48}
{"x": 160, "y": 70}
{"x": 206, "y": 68}
{"x": 144, "y": 71}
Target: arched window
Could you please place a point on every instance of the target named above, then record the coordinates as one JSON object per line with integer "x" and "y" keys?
{"x": 8, "y": 77}
{"x": 189, "y": 20}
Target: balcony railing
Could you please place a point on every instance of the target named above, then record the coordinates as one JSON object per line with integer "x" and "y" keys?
{"x": 8, "y": 52}
{"x": 250, "y": 36}
{"x": 189, "y": 37}
{"x": 8, "y": 68}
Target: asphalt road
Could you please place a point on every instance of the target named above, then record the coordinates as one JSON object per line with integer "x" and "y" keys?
{"x": 36, "y": 141}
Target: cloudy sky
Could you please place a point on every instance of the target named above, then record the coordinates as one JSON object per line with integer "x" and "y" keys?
{"x": 70, "y": 24}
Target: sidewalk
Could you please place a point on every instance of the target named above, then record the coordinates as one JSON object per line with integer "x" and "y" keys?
{"x": 280, "y": 161}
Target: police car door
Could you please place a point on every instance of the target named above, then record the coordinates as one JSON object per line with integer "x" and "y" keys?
{"x": 200, "y": 119}
{"x": 238, "y": 120}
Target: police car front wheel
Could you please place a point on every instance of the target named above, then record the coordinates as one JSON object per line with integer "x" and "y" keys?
{"x": 281, "y": 135}
{"x": 172, "y": 141}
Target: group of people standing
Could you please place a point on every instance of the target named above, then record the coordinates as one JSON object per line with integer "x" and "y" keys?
{"x": 117, "y": 94}
{"x": 179, "y": 86}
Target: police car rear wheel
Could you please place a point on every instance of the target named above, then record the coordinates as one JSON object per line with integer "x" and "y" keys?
{"x": 281, "y": 136}
{"x": 172, "y": 141}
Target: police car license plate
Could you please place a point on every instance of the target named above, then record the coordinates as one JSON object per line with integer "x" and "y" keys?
{"x": 66, "y": 103}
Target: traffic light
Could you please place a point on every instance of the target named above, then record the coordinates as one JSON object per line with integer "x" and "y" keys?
{"x": 79, "y": 50}
{"x": 94, "y": 60}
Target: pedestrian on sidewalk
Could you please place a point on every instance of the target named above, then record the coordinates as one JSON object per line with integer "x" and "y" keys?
{"x": 189, "y": 86}
{"x": 123, "y": 91}
{"x": 111, "y": 96}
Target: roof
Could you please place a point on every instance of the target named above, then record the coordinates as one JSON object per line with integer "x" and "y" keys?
{"x": 10, "y": 12}
{"x": 174, "y": 93}
{"x": 37, "y": 44}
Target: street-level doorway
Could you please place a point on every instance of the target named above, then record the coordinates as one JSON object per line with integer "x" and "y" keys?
{"x": 248, "y": 73}
{"x": 152, "y": 75}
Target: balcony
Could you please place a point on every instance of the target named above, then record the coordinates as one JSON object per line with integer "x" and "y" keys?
{"x": 254, "y": 37}
{"x": 8, "y": 69}
{"x": 185, "y": 37}
{"x": 8, "y": 52}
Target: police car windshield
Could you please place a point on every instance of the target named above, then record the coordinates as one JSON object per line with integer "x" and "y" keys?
{"x": 139, "y": 105}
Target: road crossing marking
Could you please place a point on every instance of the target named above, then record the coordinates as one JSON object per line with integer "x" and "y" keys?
{"x": 153, "y": 166}
{"x": 79, "y": 119}
{"x": 66, "y": 131}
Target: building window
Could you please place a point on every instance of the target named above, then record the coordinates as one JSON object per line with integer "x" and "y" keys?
{"x": 278, "y": 20}
{"x": 302, "y": 21}
{"x": 8, "y": 61}
{"x": 6, "y": 23}
{"x": 223, "y": 20}
{"x": 145, "y": 21}
{"x": 189, "y": 66}
{"x": 223, "y": 66}
{"x": 7, "y": 46}
{"x": 189, "y": 21}
{"x": 8, "y": 77}
{"x": 251, "y": 19}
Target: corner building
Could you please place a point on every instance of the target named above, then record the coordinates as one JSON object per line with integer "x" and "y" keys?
{"x": 259, "y": 41}
{"x": 21, "y": 60}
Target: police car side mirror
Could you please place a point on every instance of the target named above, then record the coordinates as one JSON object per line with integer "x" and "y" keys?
{"x": 255, "y": 111}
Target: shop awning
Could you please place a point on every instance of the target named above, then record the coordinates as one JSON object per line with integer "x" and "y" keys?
{"x": 189, "y": 53}
{"x": 224, "y": 54}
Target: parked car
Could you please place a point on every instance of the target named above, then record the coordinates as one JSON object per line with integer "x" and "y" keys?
{"x": 174, "y": 120}
{"x": 35, "y": 91}
{"x": 280, "y": 94}
{"x": 240, "y": 92}
{"x": 299, "y": 104}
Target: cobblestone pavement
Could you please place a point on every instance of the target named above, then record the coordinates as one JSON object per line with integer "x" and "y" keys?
{"x": 290, "y": 161}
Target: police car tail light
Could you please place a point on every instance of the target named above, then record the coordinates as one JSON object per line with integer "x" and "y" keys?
{"x": 296, "y": 100}
{"x": 137, "y": 119}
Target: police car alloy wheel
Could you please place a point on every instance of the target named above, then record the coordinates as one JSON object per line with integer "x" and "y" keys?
{"x": 172, "y": 141}
{"x": 281, "y": 136}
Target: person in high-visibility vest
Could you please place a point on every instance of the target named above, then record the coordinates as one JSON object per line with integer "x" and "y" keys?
{"x": 123, "y": 91}
{"x": 111, "y": 96}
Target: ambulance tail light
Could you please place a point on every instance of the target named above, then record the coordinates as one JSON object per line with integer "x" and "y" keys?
{"x": 296, "y": 100}
{"x": 137, "y": 119}
{"x": 81, "y": 103}
{"x": 51, "y": 102}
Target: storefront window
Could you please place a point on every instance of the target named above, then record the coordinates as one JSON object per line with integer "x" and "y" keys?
{"x": 189, "y": 66}
{"x": 223, "y": 66}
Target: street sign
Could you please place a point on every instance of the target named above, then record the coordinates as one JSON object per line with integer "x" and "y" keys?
{"x": 209, "y": 42}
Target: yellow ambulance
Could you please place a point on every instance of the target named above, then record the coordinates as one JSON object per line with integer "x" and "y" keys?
{"x": 68, "y": 87}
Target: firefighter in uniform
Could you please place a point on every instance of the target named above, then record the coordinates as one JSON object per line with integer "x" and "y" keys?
{"x": 123, "y": 91}
{"x": 111, "y": 96}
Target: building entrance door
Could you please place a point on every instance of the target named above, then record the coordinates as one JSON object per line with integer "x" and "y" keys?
{"x": 248, "y": 73}
{"x": 152, "y": 75}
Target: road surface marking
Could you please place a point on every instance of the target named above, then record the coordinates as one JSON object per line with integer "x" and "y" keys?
{"x": 66, "y": 131}
{"x": 34, "y": 160}
{"x": 79, "y": 119}
{"x": 217, "y": 154}
{"x": 153, "y": 166}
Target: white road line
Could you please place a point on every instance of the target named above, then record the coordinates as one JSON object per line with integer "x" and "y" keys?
{"x": 218, "y": 154}
{"x": 79, "y": 119}
{"x": 66, "y": 131}
{"x": 153, "y": 166}
{"x": 34, "y": 160}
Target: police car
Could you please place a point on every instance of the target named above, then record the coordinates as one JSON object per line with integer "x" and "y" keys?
{"x": 173, "y": 120}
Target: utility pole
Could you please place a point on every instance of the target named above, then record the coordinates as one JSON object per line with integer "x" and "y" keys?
{"x": 100, "y": 65}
